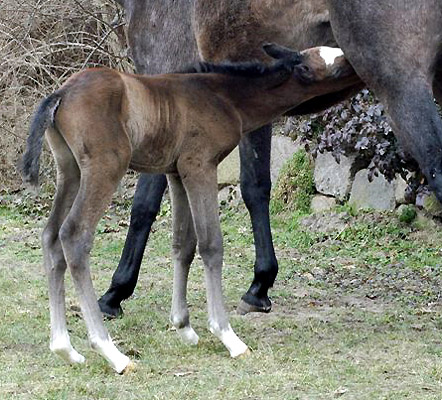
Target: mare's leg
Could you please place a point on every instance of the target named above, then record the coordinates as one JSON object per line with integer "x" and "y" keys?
{"x": 183, "y": 252}
{"x": 68, "y": 179}
{"x": 437, "y": 82}
{"x": 146, "y": 204}
{"x": 202, "y": 191}
{"x": 255, "y": 188}
{"x": 402, "y": 76}
{"x": 99, "y": 180}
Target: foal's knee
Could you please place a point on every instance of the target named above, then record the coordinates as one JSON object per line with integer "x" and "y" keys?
{"x": 184, "y": 253}
{"x": 211, "y": 251}
{"x": 52, "y": 248}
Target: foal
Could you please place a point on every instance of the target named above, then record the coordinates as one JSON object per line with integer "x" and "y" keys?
{"x": 102, "y": 122}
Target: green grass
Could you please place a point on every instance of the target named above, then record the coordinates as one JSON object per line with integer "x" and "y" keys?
{"x": 357, "y": 315}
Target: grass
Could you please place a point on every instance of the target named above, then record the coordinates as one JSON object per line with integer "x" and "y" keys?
{"x": 356, "y": 314}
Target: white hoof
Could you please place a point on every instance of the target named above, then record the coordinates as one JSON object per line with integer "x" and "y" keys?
{"x": 188, "y": 335}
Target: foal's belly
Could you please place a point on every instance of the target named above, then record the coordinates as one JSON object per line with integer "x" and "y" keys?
{"x": 155, "y": 154}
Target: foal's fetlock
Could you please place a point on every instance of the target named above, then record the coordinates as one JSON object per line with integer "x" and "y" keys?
{"x": 64, "y": 349}
{"x": 188, "y": 335}
{"x": 185, "y": 330}
{"x": 229, "y": 338}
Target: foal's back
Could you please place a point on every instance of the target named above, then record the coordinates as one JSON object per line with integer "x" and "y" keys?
{"x": 153, "y": 120}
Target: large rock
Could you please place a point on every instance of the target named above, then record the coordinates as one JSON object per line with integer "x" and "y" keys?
{"x": 333, "y": 178}
{"x": 322, "y": 203}
{"x": 431, "y": 205}
{"x": 283, "y": 149}
{"x": 228, "y": 170}
{"x": 379, "y": 194}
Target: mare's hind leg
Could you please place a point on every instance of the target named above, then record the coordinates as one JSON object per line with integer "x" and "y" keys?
{"x": 98, "y": 182}
{"x": 68, "y": 179}
{"x": 145, "y": 207}
{"x": 183, "y": 252}
{"x": 202, "y": 191}
{"x": 437, "y": 82}
{"x": 255, "y": 188}
{"x": 400, "y": 75}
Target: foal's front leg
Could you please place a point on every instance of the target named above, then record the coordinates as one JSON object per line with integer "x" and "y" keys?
{"x": 183, "y": 252}
{"x": 202, "y": 191}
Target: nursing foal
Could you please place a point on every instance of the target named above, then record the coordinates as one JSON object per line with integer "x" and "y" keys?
{"x": 102, "y": 122}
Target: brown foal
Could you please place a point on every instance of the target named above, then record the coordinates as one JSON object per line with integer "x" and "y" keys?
{"x": 102, "y": 122}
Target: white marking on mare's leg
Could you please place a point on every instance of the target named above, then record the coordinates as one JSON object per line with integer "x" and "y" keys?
{"x": 61, "y": 346}
{"x": 330, "y": 54}
{"x": 188, "y": 335}
{"x": 109, "y": 351}
{"x": 229, "y": 338}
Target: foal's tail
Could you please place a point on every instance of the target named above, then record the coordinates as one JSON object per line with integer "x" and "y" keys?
{"x": 43, "y": 117}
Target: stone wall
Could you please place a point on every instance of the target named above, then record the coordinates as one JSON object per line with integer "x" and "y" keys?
{"x": 336, "y": 183}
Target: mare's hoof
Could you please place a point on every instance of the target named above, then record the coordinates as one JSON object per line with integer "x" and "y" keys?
{"x": 131, "y": 367}
{"x": 245, "y": 308}
{"x": 109, "y": 311}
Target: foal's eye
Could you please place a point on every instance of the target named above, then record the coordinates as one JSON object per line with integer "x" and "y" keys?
{"x": 304, "y": 68}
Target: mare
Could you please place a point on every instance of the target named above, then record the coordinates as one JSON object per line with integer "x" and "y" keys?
{"x": 395, "y": 47}
{"x": 166, "y": 36}
{"x": 102, "y": 122}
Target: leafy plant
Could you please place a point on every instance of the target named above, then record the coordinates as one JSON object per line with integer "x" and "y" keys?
{"x": 295, "y": 185}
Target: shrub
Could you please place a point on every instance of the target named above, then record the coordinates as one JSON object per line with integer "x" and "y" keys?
{"x": 295, "y": 186}
{"x": 42, "y": 43}
{"x": 359, "y": 127}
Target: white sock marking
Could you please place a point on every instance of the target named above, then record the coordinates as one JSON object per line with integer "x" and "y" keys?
{"x": 330, "y": 54}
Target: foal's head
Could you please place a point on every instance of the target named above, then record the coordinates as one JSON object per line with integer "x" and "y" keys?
{"x": 318, "y": 64}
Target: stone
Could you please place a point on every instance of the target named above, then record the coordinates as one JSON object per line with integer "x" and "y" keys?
{"x": 379, "y": 194}
{"x": 333, "y": 178}
{"x": 283, "y": 149}
{"x": 322, "y": 203}
{"x": 431, "y": 205}
{"x": 228, "y": 170}
{"x": 400, "y": 190}
{"x": 229, "y": 195}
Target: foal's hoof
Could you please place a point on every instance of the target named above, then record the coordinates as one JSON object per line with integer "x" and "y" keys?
{"x": 245, "y": 308}
{"x": 131, "y": 367}
{"x": 243, "y": 355}
{"x": 109, "y": 311}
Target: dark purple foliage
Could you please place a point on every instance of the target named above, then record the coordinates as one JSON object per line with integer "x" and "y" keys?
{"x": 360, "y": 126}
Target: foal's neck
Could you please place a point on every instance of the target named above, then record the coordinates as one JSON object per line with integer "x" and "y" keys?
{"x": 259, "y": 102}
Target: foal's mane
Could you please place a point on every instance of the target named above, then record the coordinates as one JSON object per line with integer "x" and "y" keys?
{"x": 250, "y": 69}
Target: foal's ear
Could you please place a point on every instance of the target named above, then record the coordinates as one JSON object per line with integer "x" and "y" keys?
{"x": 280, "y": 52}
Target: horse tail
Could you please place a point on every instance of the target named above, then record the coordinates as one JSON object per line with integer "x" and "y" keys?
{"x": 42, "y": 119}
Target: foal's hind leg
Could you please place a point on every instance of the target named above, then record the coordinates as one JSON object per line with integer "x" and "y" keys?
{"x": 202, "y": 191}
{"x": 183, "y": 252}
{"x": 98, "y": 181}
{"x": 68, "y": 179}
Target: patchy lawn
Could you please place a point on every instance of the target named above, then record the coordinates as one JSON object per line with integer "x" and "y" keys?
{"x": 356, "y": 315}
